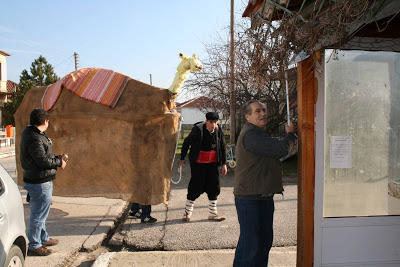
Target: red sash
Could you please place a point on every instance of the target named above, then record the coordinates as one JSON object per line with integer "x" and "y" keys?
{"x": 207, "y": 157}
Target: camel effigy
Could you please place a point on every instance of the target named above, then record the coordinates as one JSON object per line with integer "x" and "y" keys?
{"x": 123, "y": 152}
{"x": 187, "y": 64}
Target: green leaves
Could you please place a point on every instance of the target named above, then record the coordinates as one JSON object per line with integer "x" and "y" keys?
{"x": 42, "y": 74}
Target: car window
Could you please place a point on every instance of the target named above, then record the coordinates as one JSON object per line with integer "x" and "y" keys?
{"x": 2, "y": 187}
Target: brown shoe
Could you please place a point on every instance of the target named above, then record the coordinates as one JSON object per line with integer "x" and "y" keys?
{"x": 216, "y": 218}
{"x": 186, "y": 217}
{"x": 42, "y": 251}
{"x": 50, "y": 242}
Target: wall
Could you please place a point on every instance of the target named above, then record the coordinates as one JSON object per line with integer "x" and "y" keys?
{"x": 3, "y": 84}
{"x": 193, "y": 115}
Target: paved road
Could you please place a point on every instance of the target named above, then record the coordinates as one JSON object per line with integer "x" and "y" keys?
{"x": 200, "y": 242}
{"x": 82, "y": 225}
{"x": 171, "y": 233}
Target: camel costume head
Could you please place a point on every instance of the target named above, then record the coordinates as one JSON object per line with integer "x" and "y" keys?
{"x": 188, "y": 64}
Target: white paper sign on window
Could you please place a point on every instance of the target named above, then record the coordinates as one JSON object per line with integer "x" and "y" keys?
{"x": 341, "y": 152}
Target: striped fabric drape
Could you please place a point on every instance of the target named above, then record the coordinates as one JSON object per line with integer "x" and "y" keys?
{"x": 98, "y": 85}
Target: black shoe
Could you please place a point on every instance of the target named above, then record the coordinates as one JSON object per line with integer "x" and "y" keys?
{"x": 136, "y": 214}
{"x": 148, "y": 219}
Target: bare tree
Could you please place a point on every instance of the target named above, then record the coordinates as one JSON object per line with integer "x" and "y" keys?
{"x": 259, "y": 73}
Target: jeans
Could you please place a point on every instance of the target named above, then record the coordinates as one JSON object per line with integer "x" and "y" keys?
{"x": 256, "y": 231}
{"x": 146, "y": 209}
{"x": 40, "y": 206}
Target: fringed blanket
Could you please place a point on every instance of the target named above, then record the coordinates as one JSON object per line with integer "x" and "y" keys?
{"x": 98, "y": 85}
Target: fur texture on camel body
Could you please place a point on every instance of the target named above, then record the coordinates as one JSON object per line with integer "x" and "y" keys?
{"x": 188, "y": 64}
{"x": 121, "y": 153}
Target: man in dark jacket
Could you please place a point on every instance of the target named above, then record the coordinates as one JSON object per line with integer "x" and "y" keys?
{"x": 40, "y": 169}
{"x": 258, "y": 176}
{"x": 207, "y": 152}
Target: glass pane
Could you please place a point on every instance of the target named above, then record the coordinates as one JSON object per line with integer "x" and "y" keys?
{"x": 1, "y": 187}
{"x": 362, "y": 146}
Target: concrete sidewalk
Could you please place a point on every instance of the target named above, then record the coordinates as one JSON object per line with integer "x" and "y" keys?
{"x": 279, "y": 257}
{"x": 81, "y": 224}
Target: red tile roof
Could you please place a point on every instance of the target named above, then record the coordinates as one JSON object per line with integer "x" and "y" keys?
{"x": 12, "y": 86}
{"x": 200, "y": 101}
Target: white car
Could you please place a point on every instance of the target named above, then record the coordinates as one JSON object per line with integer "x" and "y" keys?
{"x": 13, "y": 240}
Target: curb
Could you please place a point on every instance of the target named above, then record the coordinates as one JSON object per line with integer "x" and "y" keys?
{"x": 103, "y": 259}
{"x": 7, "y": 154}
{"x": 279, "y": 256}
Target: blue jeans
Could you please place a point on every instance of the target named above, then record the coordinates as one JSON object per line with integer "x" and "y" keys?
{"x": 40, "y": 206}
{"x": 256, "y": 231}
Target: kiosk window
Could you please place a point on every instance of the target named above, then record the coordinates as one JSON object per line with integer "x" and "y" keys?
{"x": 362, "y": 134}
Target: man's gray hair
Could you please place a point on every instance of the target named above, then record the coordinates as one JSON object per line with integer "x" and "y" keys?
{"x": 246, "y": 106}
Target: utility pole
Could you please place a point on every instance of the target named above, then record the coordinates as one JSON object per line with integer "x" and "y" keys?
{"x": 151, "y": 82}
{"x": 232, "y": 87}
{"x": 76, "y": 61}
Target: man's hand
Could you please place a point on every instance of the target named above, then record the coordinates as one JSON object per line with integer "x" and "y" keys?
{"x": 224, "y": 170}
{"x": 180, "y": 163}
{"x": 64, "y": 164}
{"x": 64, "y": 157}
{"x": 291, "y": 128}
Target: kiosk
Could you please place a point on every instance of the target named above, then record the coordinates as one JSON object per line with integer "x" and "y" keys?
{"x": 348, "y": 126}
{"x": 357, "y": 159}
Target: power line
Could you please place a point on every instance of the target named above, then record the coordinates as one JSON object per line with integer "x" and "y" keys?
{"x": 63, "y": 61}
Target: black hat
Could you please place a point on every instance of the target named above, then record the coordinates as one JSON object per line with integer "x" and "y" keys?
{"x": 212, "y": 116}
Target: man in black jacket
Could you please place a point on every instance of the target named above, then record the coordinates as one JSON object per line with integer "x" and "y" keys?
{"x": 207, "y": 152}
{"x": 40, "y": 169}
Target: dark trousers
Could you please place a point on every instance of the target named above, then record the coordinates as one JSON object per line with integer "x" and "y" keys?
{"x": 146, "y": 209}
{"x": 256, "y": 231}
{"x": 205, "y": 178}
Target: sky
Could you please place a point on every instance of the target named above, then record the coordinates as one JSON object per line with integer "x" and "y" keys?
{"x": 136, "y": 38}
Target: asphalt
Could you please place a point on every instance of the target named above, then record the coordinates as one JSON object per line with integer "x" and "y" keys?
{"x": 83, "y": 224}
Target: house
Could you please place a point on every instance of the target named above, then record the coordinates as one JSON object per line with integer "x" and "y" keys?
{"x": 349, "y": 126}
{"x": 3, "y": 77}
{"x": 12, "y": 87}
{"x": 194, "y": 110}
{"x": 3, "y": 80}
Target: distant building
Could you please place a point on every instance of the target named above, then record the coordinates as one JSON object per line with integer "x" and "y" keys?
{"x": 12, "y": 87}
{"x": 3, "y": 81}
{"x": 3, "y": 77}
{"x": 194, "y": 110}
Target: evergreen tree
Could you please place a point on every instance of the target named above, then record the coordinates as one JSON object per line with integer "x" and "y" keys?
{"x": 42, "y": 73}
